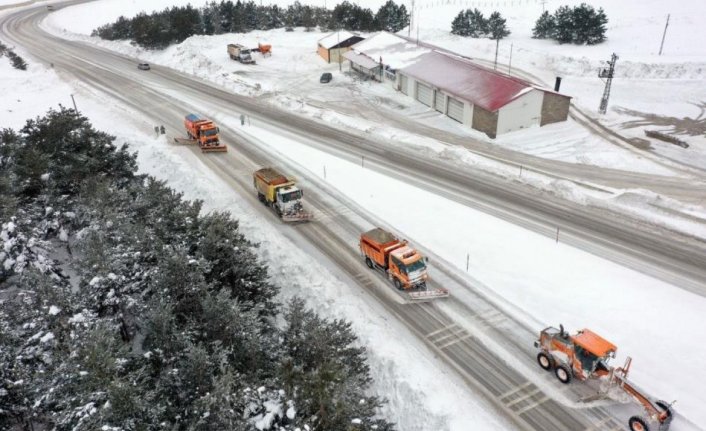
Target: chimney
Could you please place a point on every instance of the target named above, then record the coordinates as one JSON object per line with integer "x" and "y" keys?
{"x": 557, "y": 84}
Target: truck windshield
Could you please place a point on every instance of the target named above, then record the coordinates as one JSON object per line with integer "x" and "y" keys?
{"x": 210, "y": 132}
{"x": 415, "y": 266}
{"x": 287, "y": 197}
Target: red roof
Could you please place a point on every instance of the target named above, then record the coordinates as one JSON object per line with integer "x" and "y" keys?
{"x": 458, "y": 77}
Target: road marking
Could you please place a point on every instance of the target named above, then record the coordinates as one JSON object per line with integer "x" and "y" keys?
{"x": 601, "y": 425}
{"x": 523, "y": 397}
{"x": 438, "y": 331}
{"x": 456, "y": 340}
{"x": 517, "y": 389}
{"x": 533, "y": 405}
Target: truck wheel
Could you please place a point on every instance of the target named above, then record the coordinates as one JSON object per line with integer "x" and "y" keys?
{"x": 665, "y": 407}
{"x": 545, "y": 361}
{"x": 398, "y": 284}
{"x": 563, "y": 373}
{"x": 261, "y": 197}
{"x": 369, "y": 263}
{"x": 638, "y": 424}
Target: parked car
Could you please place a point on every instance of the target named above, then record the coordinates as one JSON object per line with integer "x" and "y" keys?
{"x": 143, "y": 66}
{"x": 50, "y": 7}
{"x": 326, "y": 78}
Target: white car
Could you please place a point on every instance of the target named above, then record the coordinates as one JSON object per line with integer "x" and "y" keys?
{"x": 143, "y": 66}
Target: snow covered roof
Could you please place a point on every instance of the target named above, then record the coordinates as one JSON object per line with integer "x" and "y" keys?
{"x": 335, "y": 38}
{"x": 360, "y": 59}
{"x": 468, "y": 81}
{"x": 394, "y": 51}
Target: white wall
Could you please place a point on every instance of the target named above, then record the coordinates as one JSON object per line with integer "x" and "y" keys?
{"x": 523, "y": 112}
{"x": 467, "y": 113}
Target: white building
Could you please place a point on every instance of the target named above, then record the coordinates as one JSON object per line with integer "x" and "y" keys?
{"x": 482, "y": 98}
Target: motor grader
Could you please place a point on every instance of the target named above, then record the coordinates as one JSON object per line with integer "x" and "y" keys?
{"x": 585, "y": 355}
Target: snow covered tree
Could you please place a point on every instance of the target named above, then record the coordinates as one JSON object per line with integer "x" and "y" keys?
{"x": 165, "y": 318}
{"x": 470, "y": 23}
{"x": 496, "y": 26}
{"x": 391, "y": 17}
{"x": 545, "y": 27}
{"x": 580, "y": 25}
{"x": 329, "y": 374}
{"x": 564, "y": 20}
{"x": 589, "y": 24}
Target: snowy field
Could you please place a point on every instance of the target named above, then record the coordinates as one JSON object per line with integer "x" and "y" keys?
{"x": 552, "y": 283}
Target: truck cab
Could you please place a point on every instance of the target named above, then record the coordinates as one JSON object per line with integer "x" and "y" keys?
{"x": 288, "y": 199}
{"x": 245, "y": 56}
{"x": 409, "y": 265}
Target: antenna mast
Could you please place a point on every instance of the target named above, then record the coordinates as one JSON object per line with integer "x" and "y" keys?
{"x": 608, "y": 74}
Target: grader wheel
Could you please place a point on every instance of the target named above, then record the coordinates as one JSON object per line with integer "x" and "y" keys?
{"x": 638, "y": 423}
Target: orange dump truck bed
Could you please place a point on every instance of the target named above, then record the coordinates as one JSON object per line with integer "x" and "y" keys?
{"x": 377, "y": 245}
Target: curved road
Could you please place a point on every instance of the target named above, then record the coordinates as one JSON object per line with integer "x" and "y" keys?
{"x": 461, "y": 342}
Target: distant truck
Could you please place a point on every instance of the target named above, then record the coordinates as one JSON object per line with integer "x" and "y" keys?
{"x": 240, "y": 53}
{"x": 203, "y": 132}
{"x": 281, "y": 194}
{"x": 404, "y": 265}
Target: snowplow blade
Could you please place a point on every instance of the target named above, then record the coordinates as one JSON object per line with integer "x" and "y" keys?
{"x": 428, "y": 295}
{"x": 215, "y": 149}
{"x": 185, "y": 141}
{"x": 300, "y": 217}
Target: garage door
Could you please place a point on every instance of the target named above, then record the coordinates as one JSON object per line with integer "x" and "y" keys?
{"x": 403, "y": 84}
{"x": 455, "y": 109}
{"x": 424, "y": 94}
{"x": 439, "y": 101}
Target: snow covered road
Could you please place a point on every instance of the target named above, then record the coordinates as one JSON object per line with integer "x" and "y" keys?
{"x": 150, "y": 99}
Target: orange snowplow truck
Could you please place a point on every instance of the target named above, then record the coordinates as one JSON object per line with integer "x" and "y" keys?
{"x": 404, "y": 265}
{"x": 584, "y": 356}
{"x": 204, "y": 132}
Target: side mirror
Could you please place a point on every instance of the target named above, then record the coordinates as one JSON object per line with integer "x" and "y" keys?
{"x": 218, "y": 130}
{"x": 302, "y": 192}
{"x": 426, "y": 259}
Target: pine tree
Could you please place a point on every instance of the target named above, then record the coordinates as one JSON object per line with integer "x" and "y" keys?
{"x": 545, "y": 27}
{"x": 496, "y": 26}
{"x": 478, "y": 25}
{"x": 391, "y": 17}
{"x": 564, "y": 19}
{"x": 596, "y": 27}
{"x": 459, "y": 25}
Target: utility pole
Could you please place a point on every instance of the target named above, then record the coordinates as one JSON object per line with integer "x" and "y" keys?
{"x": 543, "y": 3}
{"x": 338, "y": 35}
{"x": 411, "y": 20}
{"x": 608, "y": 74}
{"x": 664, "y": 35}
{"x": 74, "y": 100}
{"x": 497, "y": 46}
{"x": 509, "y": 65}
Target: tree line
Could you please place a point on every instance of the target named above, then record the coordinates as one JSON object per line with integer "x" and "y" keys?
{"x": 579, "y": 25}
{"x": 472, "y": 23}
{"x": 173, "y": 25}
{"x": 123, "y": 306}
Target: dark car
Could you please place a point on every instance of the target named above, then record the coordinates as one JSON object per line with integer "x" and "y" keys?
{"x": 326, "y": 78}
{"x": 143, "y": 66}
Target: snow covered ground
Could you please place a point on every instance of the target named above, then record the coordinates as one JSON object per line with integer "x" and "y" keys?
{"x": 553, "y": 283}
